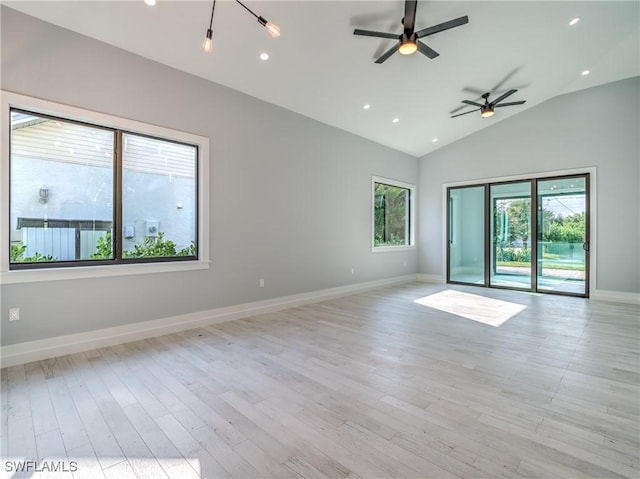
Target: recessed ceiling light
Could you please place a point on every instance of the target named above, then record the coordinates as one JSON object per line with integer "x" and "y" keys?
{"x": 151, "y": 3}
{"x": 366, "y": 107}
{"x": 585, "y": 73}
{"x": 264, "y": 56}
{"x": 396, "y": 120}
{"x": 435, "y": 140}
{"x": 574, "y": 21}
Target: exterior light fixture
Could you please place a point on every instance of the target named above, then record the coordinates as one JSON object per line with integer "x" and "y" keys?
{"x": 43, "y": 195}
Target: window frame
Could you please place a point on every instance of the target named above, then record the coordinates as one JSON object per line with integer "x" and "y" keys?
{"x": 411, "y": 216}
{"x": 10, "y": 100}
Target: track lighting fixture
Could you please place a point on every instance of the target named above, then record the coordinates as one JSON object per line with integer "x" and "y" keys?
{"x": 207, "y": 43}
{"x": 272, "y": 28}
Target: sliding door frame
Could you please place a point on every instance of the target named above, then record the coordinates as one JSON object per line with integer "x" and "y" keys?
{"x": 590, "y": 226}
{"x": 587, "y": 241}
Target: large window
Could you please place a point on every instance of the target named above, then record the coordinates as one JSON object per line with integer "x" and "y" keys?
{"x": 521, "y": 233}
{"x": 93, "y": 194}
{"x": 392, "y": 214}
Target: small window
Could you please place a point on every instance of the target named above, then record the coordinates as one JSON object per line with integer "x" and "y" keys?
{"x": 84, "y": 194}
{"x": 392, "y": 214}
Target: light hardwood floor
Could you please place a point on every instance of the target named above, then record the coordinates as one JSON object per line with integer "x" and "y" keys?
{"x": 366, "y": 386}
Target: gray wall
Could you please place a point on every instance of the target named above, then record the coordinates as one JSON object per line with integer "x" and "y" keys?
{"x": 594, "y": 127}
{"x": 290, "y": 197}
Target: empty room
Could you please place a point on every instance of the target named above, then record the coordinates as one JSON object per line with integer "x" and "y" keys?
{"x": 319, "y": 239}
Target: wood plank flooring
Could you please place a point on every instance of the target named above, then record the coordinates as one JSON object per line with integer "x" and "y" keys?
{"x": 373, "y": 385}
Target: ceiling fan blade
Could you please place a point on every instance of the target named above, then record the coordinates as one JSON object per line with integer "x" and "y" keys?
{"x": 505, "y": 79}
{"x": 465, "y": 113}
{"x": 510, "y": 103}
{"x": 387, "y": 54}
{"x": 502, "y": 97}
{"x": 409, "y": 20}
{"x": 475, "y": 91}
{"x": 469, "y": 102}
{"x": 368, "y": 33}
{"x": 428, "y": 51}
{"x": 442, "y": 27}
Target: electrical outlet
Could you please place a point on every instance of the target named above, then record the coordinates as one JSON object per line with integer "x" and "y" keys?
{"x": 14, "y": 314}
{"x": 262, "y": 282}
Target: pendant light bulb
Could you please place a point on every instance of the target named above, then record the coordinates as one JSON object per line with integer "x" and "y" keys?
{"x": 273, "y": 29}
{"x": 207, "y": 43}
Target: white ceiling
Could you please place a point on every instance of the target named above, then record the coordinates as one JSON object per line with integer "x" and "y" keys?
{"x": 320, "y": 69}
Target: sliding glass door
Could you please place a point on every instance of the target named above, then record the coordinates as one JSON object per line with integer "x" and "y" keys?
{"x": 466, "y": 235}
{"x": 530, "y": 235}
{"x": 511, "y": 235}
{"x": 563, "y": 245}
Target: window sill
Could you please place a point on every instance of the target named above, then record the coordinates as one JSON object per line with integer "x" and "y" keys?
{"x": 386, "y": 249}
{"x": 61, "y": 274}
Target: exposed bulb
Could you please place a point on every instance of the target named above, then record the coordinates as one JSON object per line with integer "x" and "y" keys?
{"x": 207, "y": 43}
{"x": 273, "y": 29}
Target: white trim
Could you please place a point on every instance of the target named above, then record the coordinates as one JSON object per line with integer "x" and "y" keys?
{"x": 615, "y": 296}
{"x": 386, "y": 249}
{"x": 37, "y": 105}
{"x": 590, "y": 170}
{"x": 413, "y": 203}
{"x": 85, "y": 272}
{"x": 20, "y": 353}
{"x": 432, "y": 278}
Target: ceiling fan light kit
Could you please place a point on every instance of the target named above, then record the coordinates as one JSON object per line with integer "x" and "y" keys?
{"x": 409, "y": 41}
{"x": 487, "y": 112}
{"x": 408, "y": 45}
{"x": 487, "y": 109}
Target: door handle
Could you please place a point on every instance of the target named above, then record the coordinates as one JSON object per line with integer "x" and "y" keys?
{"x": 585, "y": 246}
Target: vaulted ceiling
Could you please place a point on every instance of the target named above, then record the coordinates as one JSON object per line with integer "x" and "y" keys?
{"x": 320, "y": 69}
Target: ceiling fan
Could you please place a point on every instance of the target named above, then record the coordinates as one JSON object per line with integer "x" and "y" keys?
{"x": 409, "y": 40}
{"x": 486, "y": 109}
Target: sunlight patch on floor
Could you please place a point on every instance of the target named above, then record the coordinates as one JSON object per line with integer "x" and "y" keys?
{"x": 493, "y": 312}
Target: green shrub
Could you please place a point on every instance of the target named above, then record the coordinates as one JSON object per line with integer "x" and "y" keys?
{"x": 518, "y": 255}
{"x": 150, "y": 248}
{"x": 18, "y": 250}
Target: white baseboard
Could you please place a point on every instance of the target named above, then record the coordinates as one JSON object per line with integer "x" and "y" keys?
{"x": 431, "y": 278}
{"x": 21, "y": 353}
{"x": 615, "y": 296}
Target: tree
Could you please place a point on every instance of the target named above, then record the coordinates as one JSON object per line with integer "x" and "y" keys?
{"x": 390, "y": 214}
{"x": 568, "y": 229}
